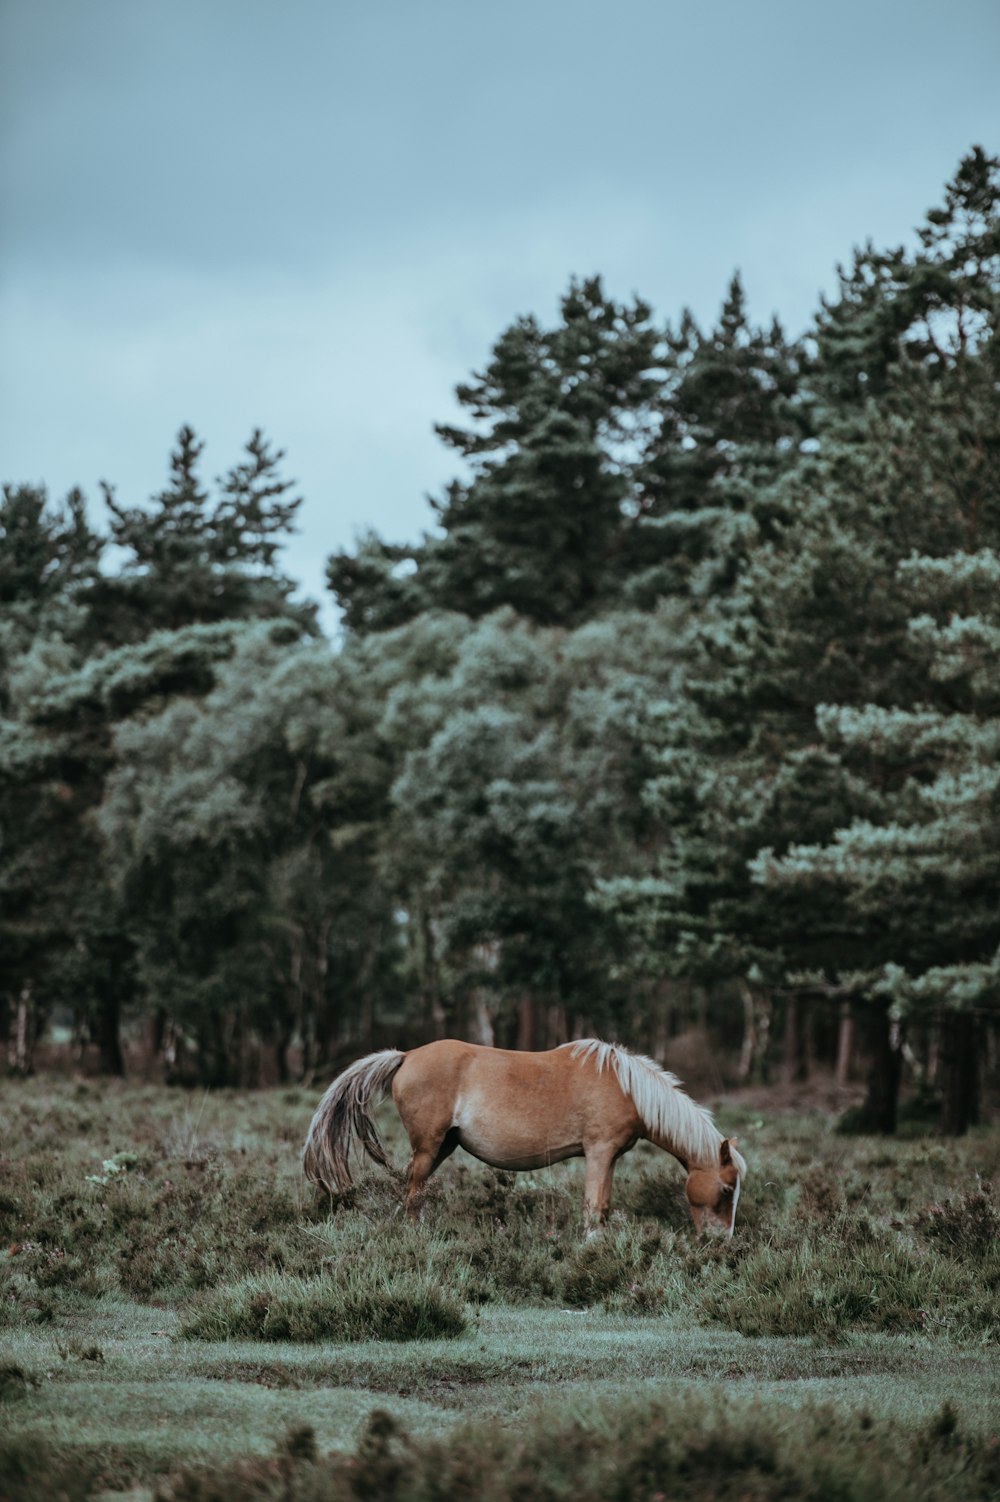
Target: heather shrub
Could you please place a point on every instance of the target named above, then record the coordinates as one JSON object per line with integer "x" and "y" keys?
{"x": 361, "y": 1306}
{"x": 15, "y": 1382}
{"x": 967, "y": 1227}
{"x": 867, "y": 1278}
{"x": 683, "y": 1447}
{"x": 617, "y": 1266}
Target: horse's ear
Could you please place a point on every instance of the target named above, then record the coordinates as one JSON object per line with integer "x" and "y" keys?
{"x": 725, "y": 1156}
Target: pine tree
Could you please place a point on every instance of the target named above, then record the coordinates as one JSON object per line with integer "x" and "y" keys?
{"x": 916, "y": 868}
{"x": 732, "y": 413}
{"x": 45, "y": 553}
{"x": 558, "y": 416}
{"x": 903, "y": 489}
{"x": 85, "y": 649}
{"x": 190, "y": 558}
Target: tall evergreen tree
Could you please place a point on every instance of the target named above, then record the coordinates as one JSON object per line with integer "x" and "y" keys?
{"x": 731, "y": 415}
{"x": 46, "y": 553}
{"x": 92, "y": 656}
{"x": 557, "y": 417}
{"x": 240, "y": 828}
{"x": 820, "y": 615}
{"x": 919, "y": 870}
{"x": 190, "y": 558}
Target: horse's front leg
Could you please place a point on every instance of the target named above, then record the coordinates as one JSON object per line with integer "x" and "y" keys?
{"x": 600, "y": 1161}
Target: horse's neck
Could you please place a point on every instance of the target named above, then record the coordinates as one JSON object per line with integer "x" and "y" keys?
{"x": 703, "y": 1152}
{"x": 671, "y": 1148}
{"x": 669, "y": 1117}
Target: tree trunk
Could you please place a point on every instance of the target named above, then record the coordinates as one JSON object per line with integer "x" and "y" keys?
{"x": 745, "y": 1067}
{"x": 236, "y": 1047}
{"x": 321, "y": 972}
{"x": 881, "y": 1103}
{"x": 757, "y": 1015}
{"x": 796, "y": 1063}
{"x": 557, "y": 1028}
{"x": 480, "y": 1021}
{"x": 107, "y": 1036}
{"x": 526, "y": 1024}
{"x": 991, "y": 1052}
{"x": 156, "y": 1028}
{"x": 765, "y": 1015}
{"x": 845, "y": 1045}
{"x": 213, "y": 1055}
{"x": 699, "y": 998}
{"x": 959, "y": 1072}
{"x": 435, "y": 1021}
{"x": 19, "y": 1043}
{"x": 282, "y": 1036}
{"x": 79, "y": 1039}
{"x": 174, "y": 1053}
{"x": 253, "y": 1061}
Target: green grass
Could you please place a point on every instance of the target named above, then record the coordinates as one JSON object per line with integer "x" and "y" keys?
{"x": 195, "y": 1305}
{"x": 155, "y": 1400}
{"x": 366, "y": 1304}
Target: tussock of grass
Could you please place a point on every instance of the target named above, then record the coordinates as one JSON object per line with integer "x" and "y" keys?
{"x": 15, "y": 1382}
{"x": 627, "y": 1270}
{"x": 967, "y": 1228}
{"x": 806, "y": 1291}
{"x": 363, "y": 1306}
{"x": 849, "y": 1274}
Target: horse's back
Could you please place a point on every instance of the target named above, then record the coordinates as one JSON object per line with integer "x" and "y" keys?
{"x": 448, "y": 1068}
{"x": 450, "y": 1063}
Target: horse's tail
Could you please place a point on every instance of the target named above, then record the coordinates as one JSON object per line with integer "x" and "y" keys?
{"x": 342, "y": 1118}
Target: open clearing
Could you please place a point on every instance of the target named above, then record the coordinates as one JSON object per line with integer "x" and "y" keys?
{"x": 817, "y": 1349}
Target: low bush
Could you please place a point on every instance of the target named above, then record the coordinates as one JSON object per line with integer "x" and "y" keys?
{"x": 15, "y": 1382}
{"x": 33, "y": 1470}
{"x": 968, "y": 1227}
{"x": 626, "y": 1268}
{"x": 682, "y": 1448}
{"x": 863, "y": 1278}
{"x": 363, "y": 1305}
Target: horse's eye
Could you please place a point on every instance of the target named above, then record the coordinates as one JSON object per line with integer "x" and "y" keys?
{"x": 727, "y": 1188}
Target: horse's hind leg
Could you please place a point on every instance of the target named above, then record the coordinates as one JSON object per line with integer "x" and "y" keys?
{"x": 427, "y": 1156}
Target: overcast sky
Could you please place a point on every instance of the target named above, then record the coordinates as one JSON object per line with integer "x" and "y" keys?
{"x": 316, "y": 216}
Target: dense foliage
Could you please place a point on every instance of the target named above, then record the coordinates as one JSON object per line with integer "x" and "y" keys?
{"x": 685, "y": 709}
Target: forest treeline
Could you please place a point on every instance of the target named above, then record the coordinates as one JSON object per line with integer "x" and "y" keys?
{"x": 686, "y": 711}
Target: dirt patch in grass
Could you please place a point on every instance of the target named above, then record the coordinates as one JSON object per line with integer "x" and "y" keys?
{"x": 270, "y": 1374}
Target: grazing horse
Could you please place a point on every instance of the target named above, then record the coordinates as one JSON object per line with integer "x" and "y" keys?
{"x": 525, "y": 1110}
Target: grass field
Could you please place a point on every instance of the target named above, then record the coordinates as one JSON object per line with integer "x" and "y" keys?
{"x": 180, "y": 1318}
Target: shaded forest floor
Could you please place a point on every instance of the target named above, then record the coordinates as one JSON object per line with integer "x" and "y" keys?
{"x": 181, "y": 1316}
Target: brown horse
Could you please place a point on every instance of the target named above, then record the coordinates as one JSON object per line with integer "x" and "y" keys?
{"x": 526, "y": 1110}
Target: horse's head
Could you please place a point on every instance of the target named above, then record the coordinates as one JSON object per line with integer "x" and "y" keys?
{"x": 713, "y": 1192}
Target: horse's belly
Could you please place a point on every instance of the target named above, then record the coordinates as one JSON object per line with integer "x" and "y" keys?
{"x": 500, "y": 1151}
{"x": 512, "y": 1113}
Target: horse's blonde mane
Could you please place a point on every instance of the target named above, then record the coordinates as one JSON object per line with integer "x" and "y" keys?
{"x": 668, "y": 1112}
